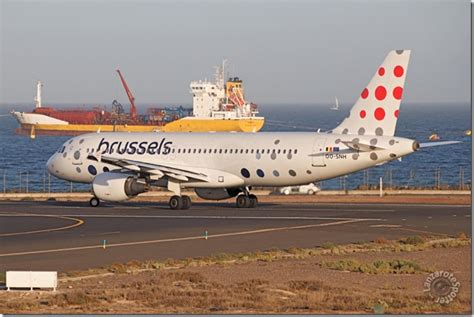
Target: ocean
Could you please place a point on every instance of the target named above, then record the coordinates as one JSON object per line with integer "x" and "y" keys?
{"x": 22, "y": 160}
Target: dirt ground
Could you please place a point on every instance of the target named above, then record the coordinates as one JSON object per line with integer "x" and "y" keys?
{"x": 287, "y": 281}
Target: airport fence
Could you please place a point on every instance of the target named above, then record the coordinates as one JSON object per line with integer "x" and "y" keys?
{"x": 459, "y": 178}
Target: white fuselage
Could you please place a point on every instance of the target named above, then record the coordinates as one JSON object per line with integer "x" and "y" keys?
{"x": 271, "y": 159}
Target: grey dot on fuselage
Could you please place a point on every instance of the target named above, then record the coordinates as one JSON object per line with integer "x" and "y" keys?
{"x": 345, "y": 131}
{"x": 379, "y": 131}
{"x": 355, "y": 140}
{"x": 289, "y": 156}
{"x": 373, "y": 141}
{"x": 273, "y": 156}
{"x": 277, "y": 141}
{"x": 399, "y": 52}
{"x": 355, "y": 156}
{"x": 276, "y": 173}
{"x": 391, "y": 142}
{"x": 373, "y": 156}
{"x": 361, "y": 131}
{"x": 337, "y": 141}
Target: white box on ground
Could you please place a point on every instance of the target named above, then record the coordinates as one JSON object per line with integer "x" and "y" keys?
{"x": 32, "y": 279}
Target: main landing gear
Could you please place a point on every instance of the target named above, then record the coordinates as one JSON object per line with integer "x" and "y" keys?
{"x": 180, "y": 202}
{"x": 246, "y": 201}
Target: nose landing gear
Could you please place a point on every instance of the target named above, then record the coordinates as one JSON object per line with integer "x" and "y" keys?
{"x": 94, "y": 202}
{"x": 180, "y": 202}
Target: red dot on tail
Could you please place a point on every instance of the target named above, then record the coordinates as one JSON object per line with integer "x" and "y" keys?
{"x": 379, "y": 113}
{"x": 381, "y": 71}
{"x": 365, "y": 93}
{"x": 398, "y": 71}
{"x": 396, "y": 113}
{"x": 380, "y": 93}
{"x": 362, "y": 114}
{"x": 398, "y": 92}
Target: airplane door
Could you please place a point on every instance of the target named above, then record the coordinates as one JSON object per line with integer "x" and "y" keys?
{"x": 318, "y": 152}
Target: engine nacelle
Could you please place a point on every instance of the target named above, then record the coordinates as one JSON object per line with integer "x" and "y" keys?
{"x": 117, "y": 186}
{"x": 217, "y": 193}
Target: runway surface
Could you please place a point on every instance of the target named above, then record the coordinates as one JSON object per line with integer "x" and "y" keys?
{"x": 63, "y": 236}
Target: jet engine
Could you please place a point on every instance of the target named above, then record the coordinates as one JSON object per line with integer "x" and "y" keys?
{"x": 217, "y": 193}
{"x": 117, "y": 186}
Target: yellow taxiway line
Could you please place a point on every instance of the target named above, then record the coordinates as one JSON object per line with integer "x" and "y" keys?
{"x": 77, "y": 223}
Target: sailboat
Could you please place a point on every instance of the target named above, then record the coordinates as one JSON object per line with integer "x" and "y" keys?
{"x": 336, "y": 105}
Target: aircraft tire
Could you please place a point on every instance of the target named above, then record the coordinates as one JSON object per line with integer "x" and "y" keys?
{"x": 176, "y": 202}
{"x": 253, "y": 201}
{"x": 242, "y": 201}
{"x": 94, "y": 202}
{"x": 186, "y": 202}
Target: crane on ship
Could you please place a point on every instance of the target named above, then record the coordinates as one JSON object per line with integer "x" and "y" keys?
{"x": 133, "y": 109}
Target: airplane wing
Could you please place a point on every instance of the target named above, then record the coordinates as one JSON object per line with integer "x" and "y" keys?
{"x": 159, "y": 170}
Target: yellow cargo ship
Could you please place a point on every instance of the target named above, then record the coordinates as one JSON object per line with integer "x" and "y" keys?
{"x": 218, "y": 107}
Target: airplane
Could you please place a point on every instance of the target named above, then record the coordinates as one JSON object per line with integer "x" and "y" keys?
{"x": 218, "y": 166}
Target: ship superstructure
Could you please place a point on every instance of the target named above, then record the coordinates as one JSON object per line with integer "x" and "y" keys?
{"x": 218, "y": 106}
{"x": 221, "y": 99}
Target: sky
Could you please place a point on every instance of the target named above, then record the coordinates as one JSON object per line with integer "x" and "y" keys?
{"x": 287, "y": 52}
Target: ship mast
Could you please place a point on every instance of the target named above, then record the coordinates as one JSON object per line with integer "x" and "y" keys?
{"x": 133, "y": 109}
{"x": 38, "y": 94}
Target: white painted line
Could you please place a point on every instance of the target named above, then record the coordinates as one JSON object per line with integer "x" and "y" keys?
{"x": 221, "y": 235}
{"x": 385, "y": 226}
{"x": 221, "y": 217}
{"x": 107, "y": 233}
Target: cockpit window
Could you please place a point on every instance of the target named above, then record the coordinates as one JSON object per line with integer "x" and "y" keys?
{"x": 62, "y": 150}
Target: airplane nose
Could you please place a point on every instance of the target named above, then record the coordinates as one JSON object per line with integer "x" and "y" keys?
{"x": 50, "y": 164}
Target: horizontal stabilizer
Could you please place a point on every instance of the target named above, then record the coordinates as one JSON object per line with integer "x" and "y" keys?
{"x": 429, "y": 144}
{"x": 361, "y": 146}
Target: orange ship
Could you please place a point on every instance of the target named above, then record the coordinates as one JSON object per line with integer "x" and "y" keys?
{"x": 219, "y": 106}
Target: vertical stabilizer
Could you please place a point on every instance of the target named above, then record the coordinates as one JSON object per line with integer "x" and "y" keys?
{"x": 376, "y": 110}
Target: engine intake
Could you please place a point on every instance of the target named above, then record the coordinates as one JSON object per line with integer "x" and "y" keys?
{"x": 117, "y": 186}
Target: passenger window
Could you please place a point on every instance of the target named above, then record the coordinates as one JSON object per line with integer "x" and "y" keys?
{"x": 296, "y": 151}
{"x": 279, "y": 151}
{"x": 268, "y": 151}
{"x": 179, "y": 151}
{"x": 284, "y": 151}
{"x": 220, "y": 151}
{"x": 225, "y": 151}
{"x": 194, "y": 151}
{"x": 251, "y": 151}
{"x": 204, "y": 151}
{"x": 246, "y": 151}
{"x": 199, "y": 151}
{"x": 230, "y": 151}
